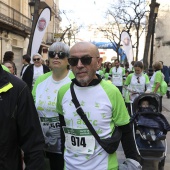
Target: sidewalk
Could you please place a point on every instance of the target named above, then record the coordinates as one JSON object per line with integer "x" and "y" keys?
{"x": 166, "y": 103}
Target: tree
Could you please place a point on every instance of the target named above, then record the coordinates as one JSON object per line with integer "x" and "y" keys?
{"x": 69, "y": 30}
{"x": 112, "y": 30}
{"x": 149, "y": 33}
{"x": 128, "y": 15}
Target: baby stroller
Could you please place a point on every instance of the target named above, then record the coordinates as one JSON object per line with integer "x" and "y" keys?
{"x": 154, "y": 146}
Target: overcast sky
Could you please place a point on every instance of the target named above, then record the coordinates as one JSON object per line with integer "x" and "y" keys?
{"x": 84, "y": 11}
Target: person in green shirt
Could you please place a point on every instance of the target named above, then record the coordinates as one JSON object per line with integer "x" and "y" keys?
{"x": 156, "y": 80}
{"x": 136, "y": 83}
{"x": 104, "y": 107}
{"x": 45, "y": 92}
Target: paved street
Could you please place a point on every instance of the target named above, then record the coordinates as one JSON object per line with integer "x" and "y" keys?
{"x": 150, "y": 165}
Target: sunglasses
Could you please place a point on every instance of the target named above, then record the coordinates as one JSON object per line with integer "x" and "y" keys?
{"x": 85, "y": 60}
{"x": 138, "y": 79}
{"x": 60, "y": 54}
{"x": 36, "y": 59}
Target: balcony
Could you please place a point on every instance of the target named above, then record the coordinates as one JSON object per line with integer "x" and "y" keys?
{"x": 13, "y": 21}
{"x": 50, "y": 38}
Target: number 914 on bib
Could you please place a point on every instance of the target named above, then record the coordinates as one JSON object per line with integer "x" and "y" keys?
{"x": 79, "y": 140}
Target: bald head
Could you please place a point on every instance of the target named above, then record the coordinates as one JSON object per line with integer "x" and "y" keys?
{"x": 83, "y": 46}
{"x": 85, "y": 61}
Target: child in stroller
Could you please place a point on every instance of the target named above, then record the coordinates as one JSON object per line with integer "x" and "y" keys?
{"x": 146, "y": 116}
{"x": 148, "y": 133}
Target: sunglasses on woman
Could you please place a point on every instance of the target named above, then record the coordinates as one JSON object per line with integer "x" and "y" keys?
{"x": 36, "y": 59}
{"x": 85, "y": 60}
{"x": 60, "y": 54}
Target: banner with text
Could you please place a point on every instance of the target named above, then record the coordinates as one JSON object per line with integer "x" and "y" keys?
{"x": 39, "y": 31}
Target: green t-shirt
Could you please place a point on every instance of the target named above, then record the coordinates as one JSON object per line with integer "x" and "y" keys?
{"x": 157, "y": 77}
{"x": 104, "y": 106}
{"x": 135, "y": 83}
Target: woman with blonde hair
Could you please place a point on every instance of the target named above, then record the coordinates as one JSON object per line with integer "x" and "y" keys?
{"x": 156, "y": 80}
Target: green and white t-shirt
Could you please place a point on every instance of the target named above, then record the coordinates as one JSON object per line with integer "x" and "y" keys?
{"x": 157, "y": 77}
{"x": 104, "y": 106}
{"x": 45, "y": 96}
{"x": 136, "y": 83}
{"x": 117, "y": 75}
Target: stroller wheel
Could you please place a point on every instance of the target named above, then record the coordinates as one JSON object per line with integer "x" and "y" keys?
{"x": 161, "y": 164}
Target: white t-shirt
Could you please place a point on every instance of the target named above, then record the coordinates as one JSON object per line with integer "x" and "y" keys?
{"x": 45, "y": 102}
{"x": 38, "y": 71}
{"x": 136, "y": 83}
{"x": 117, "y": 76}
{"x": 104, "y": 106}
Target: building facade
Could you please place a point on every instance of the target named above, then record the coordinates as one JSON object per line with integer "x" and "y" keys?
{"x": 162, "y": 33}
{"x": 15, "y": 28}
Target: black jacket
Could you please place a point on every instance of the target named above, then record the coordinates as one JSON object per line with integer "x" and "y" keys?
{"x": 29, "y": 72}
{"x": 19, "y": 126}
{"x": 165, "y": 71}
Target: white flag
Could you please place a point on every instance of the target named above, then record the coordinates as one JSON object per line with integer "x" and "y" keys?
{"x": 127, "y": 46}
{"x": 39, "y": 31}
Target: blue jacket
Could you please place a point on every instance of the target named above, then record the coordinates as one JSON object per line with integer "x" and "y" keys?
{"x": 165, "y": 71}
{"x": 151, "y": 120}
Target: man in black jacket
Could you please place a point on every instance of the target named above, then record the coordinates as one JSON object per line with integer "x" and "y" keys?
{"x": 19, "y": 126}
{"x": 26, "y": 62}
{"x": 33, "y": 71}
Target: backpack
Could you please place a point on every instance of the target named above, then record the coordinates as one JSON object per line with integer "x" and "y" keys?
{"x": 163, "y": 87}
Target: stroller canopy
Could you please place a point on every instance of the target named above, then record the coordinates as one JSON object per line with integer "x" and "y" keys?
{"x": 154, "y": 101}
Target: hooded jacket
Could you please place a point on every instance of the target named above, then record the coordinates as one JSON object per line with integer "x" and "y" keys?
{"x": 19, "y": 126}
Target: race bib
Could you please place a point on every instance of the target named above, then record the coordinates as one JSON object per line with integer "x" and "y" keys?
{"x": 51, "y": 130}
{"x": 116, "y": 76}
{"x": 79, "y": 140}
{"x": 117, "y": 80}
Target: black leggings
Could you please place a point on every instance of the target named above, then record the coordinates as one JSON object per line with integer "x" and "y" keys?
{"x": 128, "y": 106}
{"x": 120, "y": 88}
{"x": 160, "y": 103}
{"x": 56, "y": 160}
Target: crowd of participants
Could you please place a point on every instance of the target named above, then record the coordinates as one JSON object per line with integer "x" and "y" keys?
{"x": 38, "y": 136}
{"x": 134, "y": 80}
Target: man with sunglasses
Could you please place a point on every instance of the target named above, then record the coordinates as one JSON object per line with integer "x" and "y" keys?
{"x": 33, "y": 71}
{"x": 45, "y": 96}
{"x": 104, "y": 107}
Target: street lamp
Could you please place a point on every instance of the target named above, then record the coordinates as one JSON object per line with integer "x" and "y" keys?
{"x": 34, "y": 10}
{"x": 32, "y": 5}
{"x": 69, "y": 37}
{"x": 152, "y": 40}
